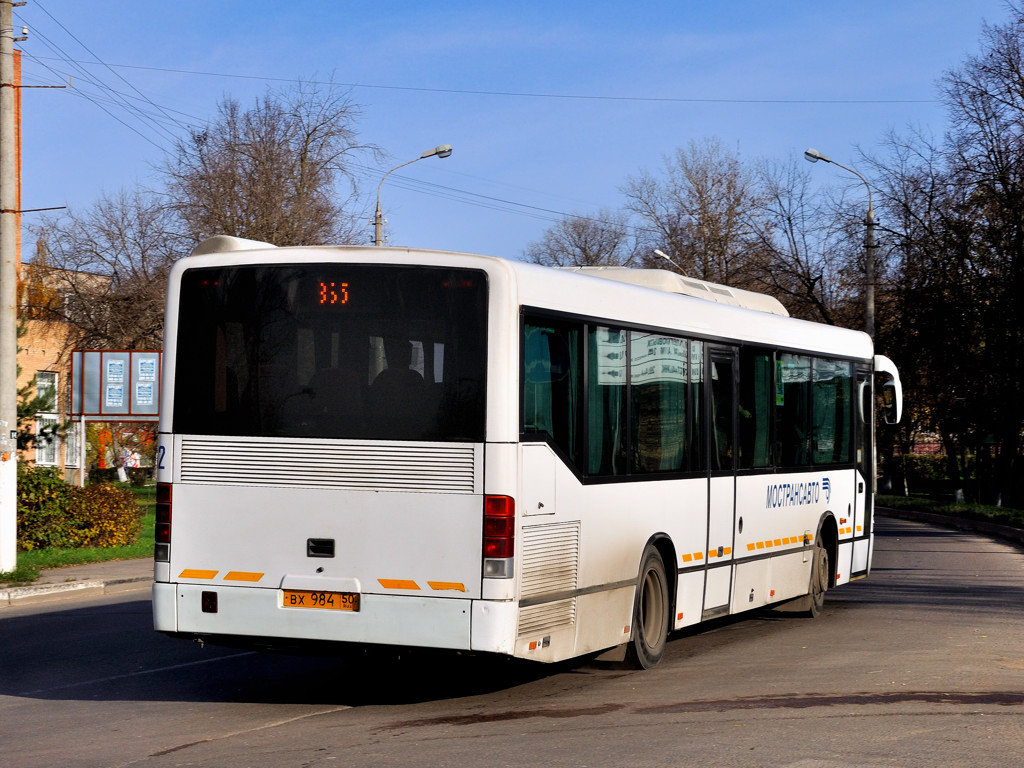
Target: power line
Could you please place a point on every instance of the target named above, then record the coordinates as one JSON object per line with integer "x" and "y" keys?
{"x": 153, "y": 131}
{"x": 122, "y": 79}
{"x": 521, "y": 94}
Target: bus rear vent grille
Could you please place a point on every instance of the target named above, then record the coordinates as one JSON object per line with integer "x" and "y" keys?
{"x": 551, "y": 559}
{"x": 447, "y": 468}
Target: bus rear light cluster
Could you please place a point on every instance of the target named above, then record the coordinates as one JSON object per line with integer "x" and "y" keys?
{"x": 499, "y": 537}
{"x": 162, "y": 549}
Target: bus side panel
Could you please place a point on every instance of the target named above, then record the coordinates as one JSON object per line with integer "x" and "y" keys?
{"x": 778, "y": 511}
{"x": 845, "y": 563}
{"x": 598, "y": 635}
{"x": 762, "y": 582}
{"x": 861, "y": 551}
{"x": 592, "y": 591}
{"x": 689, "y": 599}
{"x": 165, "y": 607}
{"x": 493, "y": 626}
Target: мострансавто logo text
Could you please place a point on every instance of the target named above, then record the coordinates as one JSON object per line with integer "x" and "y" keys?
{"x": 798, "y": 494}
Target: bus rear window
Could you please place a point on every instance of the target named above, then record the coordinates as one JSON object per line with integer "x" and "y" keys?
{"x": 332, "y": 351}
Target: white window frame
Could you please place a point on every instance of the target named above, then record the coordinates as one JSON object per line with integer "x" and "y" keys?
{"x": 47, "y": 450}
{"x": 71, "y": 444}
{"x": 46, "y": 385}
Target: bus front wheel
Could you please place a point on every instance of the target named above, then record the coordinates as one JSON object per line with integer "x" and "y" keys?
{"x": 819, "y": 580}
{"x": 650, "y": 613}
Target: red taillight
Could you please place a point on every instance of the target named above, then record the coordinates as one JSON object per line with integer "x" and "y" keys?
{"x": 163, "y": 518}
{"x": 499, "y": 526}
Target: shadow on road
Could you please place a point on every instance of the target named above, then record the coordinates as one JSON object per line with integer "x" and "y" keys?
{"x": 109, "y": 652}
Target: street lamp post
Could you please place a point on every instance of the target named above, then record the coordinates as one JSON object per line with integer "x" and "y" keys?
{"x": 378, "y": 220}
{"x": 813, "y": 156}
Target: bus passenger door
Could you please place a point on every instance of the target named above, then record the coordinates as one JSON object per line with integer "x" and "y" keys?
{"x": 721, "y": 420}
{"x": 864, "y": 457}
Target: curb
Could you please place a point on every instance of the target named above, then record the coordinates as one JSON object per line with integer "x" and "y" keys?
{"x": 1006, "y": 532}
{"x": 15, "y": 597}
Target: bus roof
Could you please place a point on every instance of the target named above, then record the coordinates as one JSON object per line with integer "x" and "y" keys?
{"x": 646, "y": 296}
{"x": 663, "y": 280}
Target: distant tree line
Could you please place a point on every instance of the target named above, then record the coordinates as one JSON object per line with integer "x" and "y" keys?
{"x": 949, "y": 266}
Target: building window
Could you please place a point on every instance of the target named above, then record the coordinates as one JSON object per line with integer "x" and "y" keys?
{"x": 71, "y": 444}
{"x": 47, "y": 441}
{"x": 46, "y": 388}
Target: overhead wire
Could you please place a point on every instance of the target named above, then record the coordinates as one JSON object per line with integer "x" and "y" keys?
{"x": 105, "y": 97}
{"x": 530, "y": 94}
{"x": 160, "y": 120}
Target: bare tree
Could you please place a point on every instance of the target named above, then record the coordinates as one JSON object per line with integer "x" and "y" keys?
{"x": 604, "y": 239}
{"x": 699, "y": 213}
{"x": 271, "y": 172}
{"x": 957, "y": 207}
{"x": 810, "y": 259}
{"x": 103, "y": 272}
{"x": 276, "y": 172}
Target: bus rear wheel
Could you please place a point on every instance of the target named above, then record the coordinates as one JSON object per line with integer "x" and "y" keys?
{"x": 650, "y": 613}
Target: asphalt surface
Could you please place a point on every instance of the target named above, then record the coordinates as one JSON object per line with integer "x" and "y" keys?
{"x": 116, "y": 576}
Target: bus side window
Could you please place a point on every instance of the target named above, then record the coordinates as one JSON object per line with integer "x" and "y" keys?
{"x": 552, "y": 384}
{"x": 606, "y": 401}
{"x": 754, "y": 409}
{"x": 833, "y": 383}
{"x": 792, "y": 419}
{"x": 658, "y": 382}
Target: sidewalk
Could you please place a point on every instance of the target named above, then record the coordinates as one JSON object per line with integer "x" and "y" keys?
{"x": 78, "y": 581}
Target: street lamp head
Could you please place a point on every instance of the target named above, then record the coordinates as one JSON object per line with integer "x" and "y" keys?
{"x": 444, "y": 150}
{"x": 813, "y": 156}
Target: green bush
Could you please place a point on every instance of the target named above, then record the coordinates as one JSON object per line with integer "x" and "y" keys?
{"x": 99, "y": 476}
{"x": 929, "y": 473}
{"x": 108, "y": 515}
{"x": 138, "y": 476}
{"x": 43, "y": 500}
{"x": 52, "y": 513}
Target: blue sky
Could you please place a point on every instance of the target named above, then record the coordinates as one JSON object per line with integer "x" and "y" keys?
{"x": 550, "y": 106}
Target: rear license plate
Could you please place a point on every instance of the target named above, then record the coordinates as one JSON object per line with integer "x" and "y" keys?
{"x": 329, "y": 601}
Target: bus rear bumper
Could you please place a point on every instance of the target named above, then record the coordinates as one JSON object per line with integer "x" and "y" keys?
{"x": 429, "y": 622}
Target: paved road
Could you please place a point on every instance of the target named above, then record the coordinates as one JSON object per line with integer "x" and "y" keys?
{"x": 921, "y": 665}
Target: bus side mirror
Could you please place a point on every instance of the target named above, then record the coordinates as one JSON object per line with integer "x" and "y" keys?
{"x": 891, "y": 410}
{"x": 892, "y": 390}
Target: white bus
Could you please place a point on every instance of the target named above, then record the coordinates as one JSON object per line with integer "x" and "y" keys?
{"x": 383, "y": 446}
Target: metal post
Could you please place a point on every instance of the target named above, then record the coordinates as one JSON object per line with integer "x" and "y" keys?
{"x": 444, "y": 150}
{"x": 8, "y": 297}
{"x": 869, "y": 270}
{"x": 813, "y": 156}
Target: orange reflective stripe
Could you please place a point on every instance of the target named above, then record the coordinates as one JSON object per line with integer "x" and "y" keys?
{"x": 398, "y": 584}
{"x": 196, "y": 573}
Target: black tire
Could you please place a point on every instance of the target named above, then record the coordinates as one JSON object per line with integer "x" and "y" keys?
{"x": 650, "y": 613}
{"x": 819, "y": 580}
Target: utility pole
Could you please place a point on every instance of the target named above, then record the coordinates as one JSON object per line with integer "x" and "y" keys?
{"x": 9, "y": 220}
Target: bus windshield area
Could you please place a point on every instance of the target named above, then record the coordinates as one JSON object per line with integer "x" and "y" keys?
{"x": 332, "y": 351}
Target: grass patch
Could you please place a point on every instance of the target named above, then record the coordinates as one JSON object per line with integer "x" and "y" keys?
{"x": 22, "y": 575}
{"x": 939, "y": 505}
{"x": 30, "y": 563}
